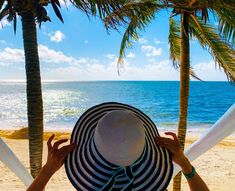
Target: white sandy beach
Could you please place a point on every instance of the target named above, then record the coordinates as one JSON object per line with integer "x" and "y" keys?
{"x": 217, "y": 167}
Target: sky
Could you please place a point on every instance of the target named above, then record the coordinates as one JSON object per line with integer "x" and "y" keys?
{"x": 81, "y": 49}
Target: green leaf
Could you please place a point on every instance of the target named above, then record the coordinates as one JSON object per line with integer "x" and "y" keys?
{"x": 193, "y": 74}
{"x": 56, "y": 2}
{"x": 220, "y": 49}
{"x": 15, "y": 22}
{"x": 227, "y": 24}
{"x": 136, "y": 15}
{"x": 57, "y": 11}
{"x": 5, "y": 11}
{"x": 174, "y": 41}
{"x": 3, "y": 14}
{"x": 1, "y": 3}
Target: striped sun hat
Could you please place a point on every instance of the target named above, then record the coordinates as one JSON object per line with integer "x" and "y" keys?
{"x": 116, "y": 151}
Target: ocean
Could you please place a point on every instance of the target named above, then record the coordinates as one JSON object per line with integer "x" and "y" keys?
{"x": 64, "y": 102}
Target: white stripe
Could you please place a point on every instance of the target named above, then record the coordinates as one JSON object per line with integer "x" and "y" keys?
{"x": 167, "y": 173}
{"x": 157, "y": 163}
{"x": 80, "y": 135}
{"x": 160, "y": 174}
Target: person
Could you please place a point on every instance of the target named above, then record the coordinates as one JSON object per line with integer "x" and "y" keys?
{"x": 105, "y": 138}
{"x": 57, "y": 155}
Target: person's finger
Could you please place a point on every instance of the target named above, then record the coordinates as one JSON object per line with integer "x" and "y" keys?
{"x": 162, "y": 139}
{"x": 172, "y": 134}
{"x": 164, "y": 144}
{"x": 58, "y": 143}
{"x": 49, "y": 146}
{"x": 65, "y": 150}
{"x": 171, "y": 148}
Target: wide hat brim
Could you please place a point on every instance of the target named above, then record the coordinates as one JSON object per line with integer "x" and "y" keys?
{"x": 88, "y": 170}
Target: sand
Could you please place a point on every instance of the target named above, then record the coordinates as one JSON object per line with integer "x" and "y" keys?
{"x": 216, "y": 167}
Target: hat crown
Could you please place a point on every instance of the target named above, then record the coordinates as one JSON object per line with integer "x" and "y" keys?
{"x": 120, "y": 137}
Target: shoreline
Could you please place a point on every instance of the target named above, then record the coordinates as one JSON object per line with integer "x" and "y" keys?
{"x": 191, "y": 136}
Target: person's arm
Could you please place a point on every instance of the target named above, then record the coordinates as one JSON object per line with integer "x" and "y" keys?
{"x": 195, "y": 182}
{"x": 55, "y": 160}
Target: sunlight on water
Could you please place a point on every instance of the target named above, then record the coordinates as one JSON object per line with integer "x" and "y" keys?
{"x": 64, "y": 102}
{"x": 63, "y": 106}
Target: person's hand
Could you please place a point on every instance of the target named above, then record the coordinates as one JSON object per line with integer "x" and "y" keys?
{"x": 174, "y": 146}
{"x": 56, "y": 155}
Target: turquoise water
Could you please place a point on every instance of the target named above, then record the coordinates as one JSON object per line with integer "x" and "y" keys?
{"x": 64, "y": 102}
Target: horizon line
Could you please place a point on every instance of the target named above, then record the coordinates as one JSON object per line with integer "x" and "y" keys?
{"x": 46, "y": 81}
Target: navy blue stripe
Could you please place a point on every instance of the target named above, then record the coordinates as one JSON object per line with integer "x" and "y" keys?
{"x": 98, "y": 163}
{"x": 82, "y": 185}
{"x": 140, "y": 174}
{"x": 95, "y": 177}
{"x": 93, "y": 121}
{"x": 91, "y": 116}
{"x": 157, "y": 173}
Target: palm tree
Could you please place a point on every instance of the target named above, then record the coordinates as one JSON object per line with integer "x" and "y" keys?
{"x": 194, "y": 23}
{"x": 32, "y": 12}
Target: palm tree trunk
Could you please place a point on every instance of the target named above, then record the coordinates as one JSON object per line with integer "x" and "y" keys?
{"x": 34, "y": 93}
{"x": 184, "y": 87}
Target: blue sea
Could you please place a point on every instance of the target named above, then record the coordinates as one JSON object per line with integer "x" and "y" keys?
{"x": 64, "y": 102}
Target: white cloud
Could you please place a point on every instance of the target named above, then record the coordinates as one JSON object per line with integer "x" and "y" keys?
{"x": 152, "y": 60}
{"x": 111, "y": 56}
{"x": 4, "y": 23}
{"x": 65, "y": 3}
{"x": 3, "y": 42}
{"x": 142, "y": 40}
{"x": 58, "y": 36}
{"x": 57, "y": 57}
{"x": 152, "y": 71}
{"x": 10, "y": 56}
{"x": 151, "y": 51}
{"x": 157, "y": 41}
{"x": 208, "y": 72}
{"x": 130, "y": 55}
{"x": 51, "y": 56}
{"x": 93, "y": 69}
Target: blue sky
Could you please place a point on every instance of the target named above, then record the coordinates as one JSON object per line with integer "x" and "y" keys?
{"x": 81, "y": 49}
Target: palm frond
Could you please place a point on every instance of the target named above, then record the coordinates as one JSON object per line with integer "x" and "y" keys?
{"x": 100, "y": 7}
{"x": 193, "y": 74}
{"x": 55, "y": 4}
{"x": 226, "y": 23}
{"x": 129, "y": 10}
{"x": 174, "y": 41}
{"x": 136, "y": 15}
{"x": 8, "y": 11}
{"x": 228, "y": 4}
{"x": 5, "y": 10}
{"x": 219, "y": 48}
{"x": 1, "y": 3}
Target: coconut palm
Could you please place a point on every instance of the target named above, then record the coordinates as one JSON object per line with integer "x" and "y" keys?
{"x": 32, "y": 12}
{"x": 193, "y": 24}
